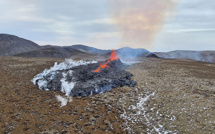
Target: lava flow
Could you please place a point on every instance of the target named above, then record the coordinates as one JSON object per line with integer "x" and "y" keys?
{"x": 113, "y": 56}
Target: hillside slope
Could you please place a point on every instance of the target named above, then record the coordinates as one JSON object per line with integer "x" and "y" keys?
{"x": 54, "y": 52}
{"x": 12, "y": 45}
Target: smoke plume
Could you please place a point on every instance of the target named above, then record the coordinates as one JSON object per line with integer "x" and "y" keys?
{"x": 140, "y": 20}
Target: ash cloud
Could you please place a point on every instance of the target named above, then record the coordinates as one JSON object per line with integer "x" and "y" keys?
{"x": 140, "y": 20}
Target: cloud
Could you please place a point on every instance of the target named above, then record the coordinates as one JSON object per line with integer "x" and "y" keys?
{"x": 193, "y": 15}
{"x": 64, "y": 22}
{"x": 192, "y": 28}
{"x": 91, "y": 22}
{"x": 169, "y": 41}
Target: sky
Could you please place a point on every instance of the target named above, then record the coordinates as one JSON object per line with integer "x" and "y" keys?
{"x": 155, "y": 25}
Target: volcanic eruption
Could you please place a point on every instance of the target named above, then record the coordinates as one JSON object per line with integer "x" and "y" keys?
{"x": 113, "y": 56}
{"x": 84, "y": 78}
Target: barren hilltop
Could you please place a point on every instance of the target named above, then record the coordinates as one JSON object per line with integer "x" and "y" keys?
{"x": 12, "y": 45}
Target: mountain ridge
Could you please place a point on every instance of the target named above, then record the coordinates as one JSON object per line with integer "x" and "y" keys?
{"x": 11, "y": 45}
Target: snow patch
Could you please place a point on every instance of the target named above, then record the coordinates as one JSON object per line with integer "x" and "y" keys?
{"x": 141, "y": 114}
{"x": 63, "y": 100}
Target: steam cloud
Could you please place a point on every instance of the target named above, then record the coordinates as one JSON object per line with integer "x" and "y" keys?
{"x": 140, "y": 20}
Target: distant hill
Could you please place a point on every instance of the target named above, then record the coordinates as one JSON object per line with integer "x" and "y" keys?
{"x": 89, "y": 50}
{"x": 124, "y": 52}
{"x": 12, "y": 45}
{"x": 130, "y": 52}
{"x": 68, "y": 51}
{"x": 205, "y": 56}
{"x": 54, "y": 52}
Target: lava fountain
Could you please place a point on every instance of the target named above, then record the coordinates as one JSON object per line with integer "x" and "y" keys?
{"x": 113, "y": 57}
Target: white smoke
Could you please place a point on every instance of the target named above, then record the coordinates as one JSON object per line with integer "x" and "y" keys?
{"x": 66, "y": 87}
{"x": 139, "y": 21}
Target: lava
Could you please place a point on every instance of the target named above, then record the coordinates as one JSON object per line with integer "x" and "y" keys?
{"x": 113, "y": 56}
{"x": 101, "y": 66}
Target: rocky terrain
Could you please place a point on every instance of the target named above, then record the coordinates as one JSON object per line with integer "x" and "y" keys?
{"x": 171, "y": 96}
{"x": 12, "y": 45}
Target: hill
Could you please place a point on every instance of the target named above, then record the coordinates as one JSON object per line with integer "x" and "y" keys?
{"x": 82, "y": 50}
{"x": 132, "y": 53}
{"x": 87, "y": 49}
{"x": 12, "y": 45}
{"x": 54, "y": 52}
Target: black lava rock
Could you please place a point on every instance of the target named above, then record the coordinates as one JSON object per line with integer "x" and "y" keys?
{"x": 88, "y": 82}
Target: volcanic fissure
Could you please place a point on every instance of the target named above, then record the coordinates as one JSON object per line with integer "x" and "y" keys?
{"x": 85, "y": 78}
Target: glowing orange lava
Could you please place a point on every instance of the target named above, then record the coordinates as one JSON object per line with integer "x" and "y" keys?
{"x": 113, "y": 56}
